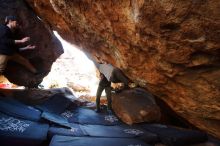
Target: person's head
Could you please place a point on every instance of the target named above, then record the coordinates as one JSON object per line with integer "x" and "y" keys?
{"x": 11, "y": 22}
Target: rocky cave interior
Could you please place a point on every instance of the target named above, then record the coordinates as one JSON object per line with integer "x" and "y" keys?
{"x": 170, "y": 48}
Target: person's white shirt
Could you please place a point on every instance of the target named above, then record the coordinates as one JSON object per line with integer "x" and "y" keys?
{"x": 106, "y": 69}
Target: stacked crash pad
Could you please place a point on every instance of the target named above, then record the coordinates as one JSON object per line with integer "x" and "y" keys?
{"x": 58, "y": 119}
{"x": 19, "y": 124}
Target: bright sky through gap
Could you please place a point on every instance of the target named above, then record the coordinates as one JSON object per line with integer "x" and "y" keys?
{"x": 72, "y": 68}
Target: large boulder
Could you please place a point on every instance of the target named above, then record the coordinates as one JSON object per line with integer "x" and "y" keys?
{"x": 48, "y": 47}
{"x": 135, "y": 106}
{"x": 170, "y": 47}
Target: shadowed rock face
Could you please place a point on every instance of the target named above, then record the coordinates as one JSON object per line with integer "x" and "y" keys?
{"x": 48, "y": 46}
{"x": 170, "y": 47}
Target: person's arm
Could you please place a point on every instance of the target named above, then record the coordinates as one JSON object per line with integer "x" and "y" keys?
{"x": 15, "y": 42}
{"x": 4, "y": 36}
{"x": 28, "y": 47}
{"x": 24, "y": 40}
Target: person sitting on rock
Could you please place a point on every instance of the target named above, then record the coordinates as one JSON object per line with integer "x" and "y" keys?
{"x": 9, "y": 46}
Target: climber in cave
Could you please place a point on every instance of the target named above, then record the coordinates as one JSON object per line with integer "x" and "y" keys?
{"x": 108, "y": 74}
{"x": 113, "y": 74}
{"x": 9, "y": 46}
{"x": 104, "y": 84}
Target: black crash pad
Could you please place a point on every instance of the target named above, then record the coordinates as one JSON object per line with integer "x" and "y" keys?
{"x": 176, "y": 136}
{"x": 92, "y": 141}
{"x": 88, "y": 116}
{"x": 19, "y": 132}
{"x": 19, "y": 110}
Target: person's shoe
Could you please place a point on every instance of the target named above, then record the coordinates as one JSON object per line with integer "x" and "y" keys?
{"x": 97, "y": 110}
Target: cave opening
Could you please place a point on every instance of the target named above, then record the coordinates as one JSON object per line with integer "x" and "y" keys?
{"x": 73, "y": 69}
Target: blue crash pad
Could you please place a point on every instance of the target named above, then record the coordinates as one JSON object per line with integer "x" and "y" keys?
{"x": 19, "y": 132}
{"x": 56, "y": 119}
{"x": 75, "y": 131}
{"x": 55, "y": 104}
{"x": 93, "y": 141}
{"x": 121, "y": 131}
{"x": 18, "y": 109}
{"x": 88, "y": 116}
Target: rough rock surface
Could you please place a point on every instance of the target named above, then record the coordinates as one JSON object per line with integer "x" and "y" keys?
{"x": 135, "y": 106}
{"x": 170, "y": 47}
{"x": 48, "y": 46}
{"x": 36, "y": 96}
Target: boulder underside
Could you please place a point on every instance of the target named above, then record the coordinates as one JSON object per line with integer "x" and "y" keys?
{"x": 170, "y": 47}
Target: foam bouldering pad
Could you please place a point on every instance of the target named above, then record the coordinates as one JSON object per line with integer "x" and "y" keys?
{"x": 88, "y": 116}
{"x": 55, "y": 104}
{"x": 93, "y": 141}
{"x": 173, "y": 136}
{"x": 75, "y": 131}
{"x": 56, "y": 119}
{"x": 19, "y": 110}
{"x": 19, "y": 132}
{"x": 121, "y": 131}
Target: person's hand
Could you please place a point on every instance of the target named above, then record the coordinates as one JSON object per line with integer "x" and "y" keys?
{"x": 25, "y": 39}
{"x": 30, "y": 47}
